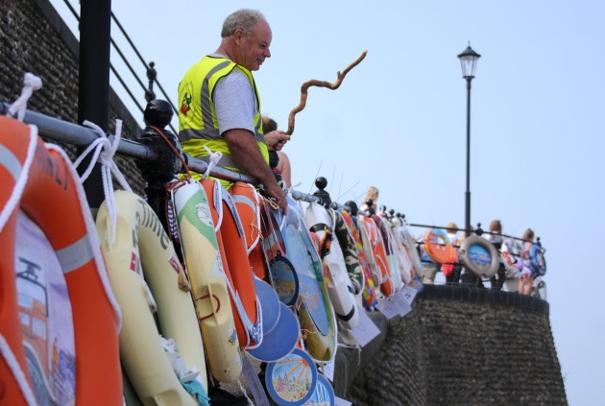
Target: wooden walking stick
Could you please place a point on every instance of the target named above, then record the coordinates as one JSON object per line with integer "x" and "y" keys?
{"x": 320, "y": 83}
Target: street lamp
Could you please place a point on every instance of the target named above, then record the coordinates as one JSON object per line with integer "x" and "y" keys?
{"x": 468, "y": 63}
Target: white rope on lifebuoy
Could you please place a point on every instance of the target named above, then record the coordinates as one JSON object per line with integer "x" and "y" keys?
{"x": 31, "y": 83}
{"x": 104, "y": 151}
{"x": 213, "y": 159}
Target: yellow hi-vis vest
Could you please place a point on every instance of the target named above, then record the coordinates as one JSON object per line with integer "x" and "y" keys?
{"x": 198, "y": 123}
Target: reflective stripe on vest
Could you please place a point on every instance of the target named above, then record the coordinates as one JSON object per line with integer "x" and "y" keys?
{"x": 198, "y": 122}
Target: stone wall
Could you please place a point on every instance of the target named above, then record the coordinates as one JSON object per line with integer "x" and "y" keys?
{"x": 34, "y": 38}
{"x": 464, "y": 346}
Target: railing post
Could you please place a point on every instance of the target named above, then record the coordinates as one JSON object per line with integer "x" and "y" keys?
{"x": 93, "y": 90}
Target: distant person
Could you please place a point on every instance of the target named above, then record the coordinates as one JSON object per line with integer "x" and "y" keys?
{"x": 495, "y": 237}
{"x": 452, "y": 271}
{"x": 219, "y": 104}
{"x": 429, "y": 267}
{"x": 371, "y": 195}
{"x": 526, "y": 279}
{"x": 278, "y": 160}
{"x": 510, "y": 254}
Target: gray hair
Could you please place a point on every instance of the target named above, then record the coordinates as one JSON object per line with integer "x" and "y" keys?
{"x": 244, "y": 19}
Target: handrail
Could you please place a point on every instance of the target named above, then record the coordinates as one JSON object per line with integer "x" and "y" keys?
{"x": 75, "y": 134}
{"x": 472, "y": 230}
{"x": 304, "y": 197}
{"x": 128, "y": 64}
{"x": 78, "y": 135}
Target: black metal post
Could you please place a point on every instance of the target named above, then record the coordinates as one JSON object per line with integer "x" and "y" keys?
{"x": 93, "y": 92}
{"x": 467, "y": 205}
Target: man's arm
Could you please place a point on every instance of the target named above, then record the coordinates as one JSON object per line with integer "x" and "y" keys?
{"x": 247, "y": 156}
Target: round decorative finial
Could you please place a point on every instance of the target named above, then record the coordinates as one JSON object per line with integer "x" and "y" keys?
{"x": 321, "y": 183}
{"x": 152, "y": 74}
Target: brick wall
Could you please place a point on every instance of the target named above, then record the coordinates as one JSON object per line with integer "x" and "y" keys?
{"x": 33, "y": 38}
{"x": 465, "y": 346}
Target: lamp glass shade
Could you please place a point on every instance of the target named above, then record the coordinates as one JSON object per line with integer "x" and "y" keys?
{"x": 468, "y": 62}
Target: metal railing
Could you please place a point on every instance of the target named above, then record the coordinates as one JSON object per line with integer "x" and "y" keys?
{"x": 78, "y": 135}
{"x": 149, "y": 68}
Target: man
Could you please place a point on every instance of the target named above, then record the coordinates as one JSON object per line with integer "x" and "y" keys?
{"x": 220, "y": 105}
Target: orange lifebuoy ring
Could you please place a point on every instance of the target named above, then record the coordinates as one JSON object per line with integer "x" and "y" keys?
{"x": 369, "y": 290}
{"x": 248, "y": 204}
{"x": 395, "y": 265}
{"x": 232, "y": 245}
{"x": 39, "y": 180}
{"x": 380, "y": 254}
{"x": 438, "y": 247}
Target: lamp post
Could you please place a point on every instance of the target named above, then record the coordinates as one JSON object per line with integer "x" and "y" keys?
{"x": 468, "y": 63}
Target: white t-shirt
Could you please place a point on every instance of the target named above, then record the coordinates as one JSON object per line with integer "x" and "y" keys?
{"x": 235, "y": 102}
{"x": 453, "y": 237}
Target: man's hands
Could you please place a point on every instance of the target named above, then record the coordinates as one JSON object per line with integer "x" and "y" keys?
{"x": 246, "y": 154}
{"x": 276, "y": 140}
{"x": 278, "y": 195}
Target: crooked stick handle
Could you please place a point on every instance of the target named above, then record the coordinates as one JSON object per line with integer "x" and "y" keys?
{"x": 304, "y": 89}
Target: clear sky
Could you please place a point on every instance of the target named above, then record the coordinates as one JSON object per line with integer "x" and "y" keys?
{"x": 398, "y": 121}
